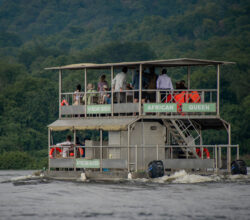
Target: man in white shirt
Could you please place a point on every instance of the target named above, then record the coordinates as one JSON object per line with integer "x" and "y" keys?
{"x": 164, "y": 82}
{"x": 66, "y": 145}
{"x": 119, "y": 84}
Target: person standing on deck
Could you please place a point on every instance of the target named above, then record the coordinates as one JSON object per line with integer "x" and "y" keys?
{"x": 164, "y": 82}
{"x": 152, "y": 84}
{"x": 119, "y": 85}
{"x": 136, "y": 86}
{"x": 66, "y": 145}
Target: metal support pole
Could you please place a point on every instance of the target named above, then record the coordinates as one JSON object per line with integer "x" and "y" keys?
{"x": 229, "y": 149}
{"x": 216, "y": 159}
{"x": 188, "y": 77}
{"x": 218, "y": 89}
{"x": 75, "y": 152}
{"x": 49, "y": 141}
{"x": 60, "y": 92}
{"x": 128, "y": 148}
{"x": 157, "y": 151}
{"x": 238, "y": 152}
{"x": 220, "y": 161}
{"x": 101, "y": 150}
{"x": 136, "y": 162}
{"x": 140, "y": 88}
{"x": 85, "y": 91}
{"x": 112, "y": 92}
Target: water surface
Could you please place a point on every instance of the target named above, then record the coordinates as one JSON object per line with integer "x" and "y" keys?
{"x": 181, "y": 196}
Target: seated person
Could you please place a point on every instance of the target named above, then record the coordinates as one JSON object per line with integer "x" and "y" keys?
{"x": 105, "y": 99}
{"x": 102, "y": 83}
{"x": 77, "y": 95}
{"x": 91, "y": 94}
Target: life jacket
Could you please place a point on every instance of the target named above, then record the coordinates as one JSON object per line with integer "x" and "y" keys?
{"x": 180, "y": 98}
{"x": 64, "y": 102}
{"x": 194, "y": 97}
{"x": 81, "y": 152}
{"x": 205, "y": 150}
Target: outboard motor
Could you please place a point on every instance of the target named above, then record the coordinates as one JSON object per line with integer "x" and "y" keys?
{"x": 155, "y": 169}
{"x": 238, "y": 167}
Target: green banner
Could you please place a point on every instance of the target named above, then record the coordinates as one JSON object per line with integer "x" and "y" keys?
{"x": 199, "y": 107}
{"x": 161, "y": 107}
{"x": 98, "y": 109}
{"x": 84, "y": 163}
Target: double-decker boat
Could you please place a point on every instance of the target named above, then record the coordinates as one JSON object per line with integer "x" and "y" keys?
{"x": 140, "y": 136}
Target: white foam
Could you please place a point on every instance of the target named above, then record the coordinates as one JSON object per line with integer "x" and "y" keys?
{"x": 183, "y": 177}
{"x": 20, "y": 178}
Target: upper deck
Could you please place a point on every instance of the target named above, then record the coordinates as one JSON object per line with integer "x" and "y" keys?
{"x": 143, "y": 102}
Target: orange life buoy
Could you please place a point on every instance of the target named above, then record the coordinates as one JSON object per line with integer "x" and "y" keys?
{"x": 64, "y": 102}
{"x": 205, "y": 150}
{"x": 52, "y": 150}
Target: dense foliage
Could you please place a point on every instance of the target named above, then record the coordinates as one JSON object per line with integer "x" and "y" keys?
{"x": 35, "y": 34}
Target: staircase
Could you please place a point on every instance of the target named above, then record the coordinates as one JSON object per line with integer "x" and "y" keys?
{"x": 183, "y": 134}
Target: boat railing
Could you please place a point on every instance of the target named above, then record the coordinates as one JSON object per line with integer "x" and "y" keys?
{"x": 130, "y": 157}
{"x": 131, "y": 102}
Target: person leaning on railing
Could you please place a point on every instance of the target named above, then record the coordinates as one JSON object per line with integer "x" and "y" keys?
{"x": 164, "y": 82}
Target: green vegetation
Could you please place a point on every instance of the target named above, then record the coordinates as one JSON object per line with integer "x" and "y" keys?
{"x": 40, "y": 33}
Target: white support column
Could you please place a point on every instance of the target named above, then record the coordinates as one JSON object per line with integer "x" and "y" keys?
{"x": 85, "y": 91}
{"x": 229, "y": 149}
{"x": 112, "y": 91}
{"x": 188, "y": 77}
{"x": 216, "y": 159}
{"x": 101, "y": 144}
{"x": 75, "y": 150}
{"x": 218, "y": 89}
{"x": 140, "y": 88}
{"x": 60, "y": 92}
{"x": 129, "y": 148}
{"x": 49, "y": 141}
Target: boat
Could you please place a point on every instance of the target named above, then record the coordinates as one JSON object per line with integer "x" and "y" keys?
{"x": 138, "y": 139}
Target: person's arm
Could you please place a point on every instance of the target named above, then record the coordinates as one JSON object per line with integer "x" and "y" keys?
{"x": 170, "y": 84}
{"x": 113, "y": 83}
{"x": 158, "y": 83}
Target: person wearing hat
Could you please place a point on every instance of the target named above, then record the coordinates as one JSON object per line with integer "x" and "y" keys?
{"x": 91, "y": 93}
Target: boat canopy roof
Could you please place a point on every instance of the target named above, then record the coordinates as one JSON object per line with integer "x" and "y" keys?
{"x": 156, "y": 63}
{"x": 106, "y": 124}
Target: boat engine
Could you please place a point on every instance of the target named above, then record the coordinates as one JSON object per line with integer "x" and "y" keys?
{"x": 155, "y": 169}
{"x": 238, "y": 167}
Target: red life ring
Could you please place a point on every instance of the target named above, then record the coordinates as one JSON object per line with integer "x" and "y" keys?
{"x": 52, "y": 150}
{"x": 205, "y": 150}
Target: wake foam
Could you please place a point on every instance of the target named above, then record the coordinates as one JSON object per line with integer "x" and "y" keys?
{"x": 183, "y": 177}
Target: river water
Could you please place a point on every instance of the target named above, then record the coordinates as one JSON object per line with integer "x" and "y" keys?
{"x": 180, "y": 196}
